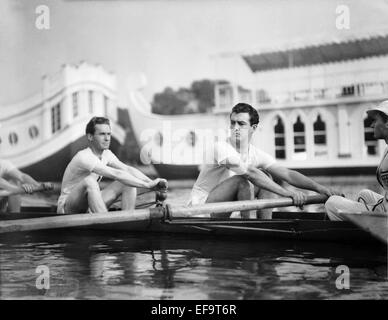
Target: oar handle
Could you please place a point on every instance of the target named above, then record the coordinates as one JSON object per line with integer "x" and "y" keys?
{"x": 162, "y": 184}
{"x": 161, "y": 192}
{"x": 44, "y": 186}
{"x": 226, "y": 207}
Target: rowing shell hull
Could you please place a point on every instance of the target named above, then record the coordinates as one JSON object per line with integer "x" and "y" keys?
{"x": 374, "y": 223}
{"x": 282, "y": 229}
{"x": 284, "y": 225}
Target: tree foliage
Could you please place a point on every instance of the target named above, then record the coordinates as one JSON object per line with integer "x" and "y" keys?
{"x": 199, "y": 98}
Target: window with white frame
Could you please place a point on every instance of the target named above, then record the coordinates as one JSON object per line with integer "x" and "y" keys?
{"x": 320, "y": 137}
{"x": 106, "y": 105}
{"x": 75, "y": 104}
{"x": 370, "y": 141}
{"x": 91, "y": 96}
{"x": 299, "y": 136}
{"x": 280, "y": 139}
{"x": 56, "y": 118}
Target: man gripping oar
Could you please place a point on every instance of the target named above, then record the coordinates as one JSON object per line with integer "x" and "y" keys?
{"x": 368, "y": 200}
{"x": 13, "y": 182}
{"x": 81, "y": 190}
{"x": 234, "y": 169}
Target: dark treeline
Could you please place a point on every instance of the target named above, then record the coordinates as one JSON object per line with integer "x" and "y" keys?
{"x": 199, "y": 98}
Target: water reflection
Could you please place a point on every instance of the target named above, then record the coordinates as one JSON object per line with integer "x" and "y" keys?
{"x": 86, "y": 265}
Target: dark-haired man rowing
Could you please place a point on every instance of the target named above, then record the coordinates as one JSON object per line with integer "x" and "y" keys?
{"x": 235, "y": 170}
{"x": 80, "y": 185}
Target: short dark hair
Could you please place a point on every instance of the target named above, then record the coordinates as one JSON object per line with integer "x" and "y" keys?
{"x": 247, "y": 108}
{"x": 91, "y": 126}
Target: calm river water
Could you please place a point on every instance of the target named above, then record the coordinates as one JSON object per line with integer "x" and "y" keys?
{"x": 101, "y": 265}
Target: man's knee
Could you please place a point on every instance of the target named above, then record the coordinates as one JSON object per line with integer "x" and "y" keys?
{"x": 332, "y": 202}
{"x": 241, "y": 182}
{"x": 364, "y": 194}
{"x": 331, "y": 207}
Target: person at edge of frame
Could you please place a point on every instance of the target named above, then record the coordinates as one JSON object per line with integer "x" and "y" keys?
{"x": 12, "y": 179}
{"x": 368, "y": 200}
{"x": 238, "y": 170}
{"x": 80, "y": 190}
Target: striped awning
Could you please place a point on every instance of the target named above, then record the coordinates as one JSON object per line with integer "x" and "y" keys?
{"x": 318, "y": 54}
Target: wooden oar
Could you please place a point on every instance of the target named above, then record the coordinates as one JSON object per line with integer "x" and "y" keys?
{"x": 226, "y": 207}
{"x": 78, "y": 220}
{"x": 42, "y": 187}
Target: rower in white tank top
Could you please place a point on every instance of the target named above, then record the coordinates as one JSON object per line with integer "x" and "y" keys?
{"x": 213, "y": 172}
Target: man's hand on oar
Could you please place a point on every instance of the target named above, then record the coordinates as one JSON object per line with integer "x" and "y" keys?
{"x": 48, "y": 186}
{"x": 28, "y": 188}
{"x": 31, "y": 188}
{"x": 160, "y": 187}
{"x": 298, "y": 198}
{"x": 158, "y": 184}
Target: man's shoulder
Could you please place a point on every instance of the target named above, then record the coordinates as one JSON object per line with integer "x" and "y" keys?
{"x": 224, "y": 145}
{"x": 109, "y": 155}
{"x": 82, "y": 154}
{"x": 261, "y": 157}
{"x": 257, "y": 149}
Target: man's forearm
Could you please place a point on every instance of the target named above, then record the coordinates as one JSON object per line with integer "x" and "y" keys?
{"x": 4, "y": 184}
{"x": 138, "y": 174}
{"x": 261, "y": 180}
{"x": 128, "y": 179}
{"x": 301, "y": 181}
{"x": 28, "y": 179}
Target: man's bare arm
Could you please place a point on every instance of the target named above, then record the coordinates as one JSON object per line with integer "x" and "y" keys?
{"x": 4, "y": 184}
{"x": 135, "y": 172}
{"x": 22, "y": 177}
{"x": 124, "y": 177}
{"x": 260, "y": 179}
{"x": 299, "y": 180}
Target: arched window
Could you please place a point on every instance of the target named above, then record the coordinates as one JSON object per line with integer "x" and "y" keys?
{"x": 225, "y": 95}
{"x": 106, "y": 104}
{"x": 280, "y": 141}
{"x": 158, "y": 139}
{"x": 13, "y": 138}
{"x": 299, "y": 136}
{"x": 370, "y": 141}
{"x": 319, "y": 131}
{"x": 90, "y": 94}
{"x": 75, "y": 104}
{"x": 33, "y": 131}
{"x": 56, "y": 118}
{"x": 191, "y": 138}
